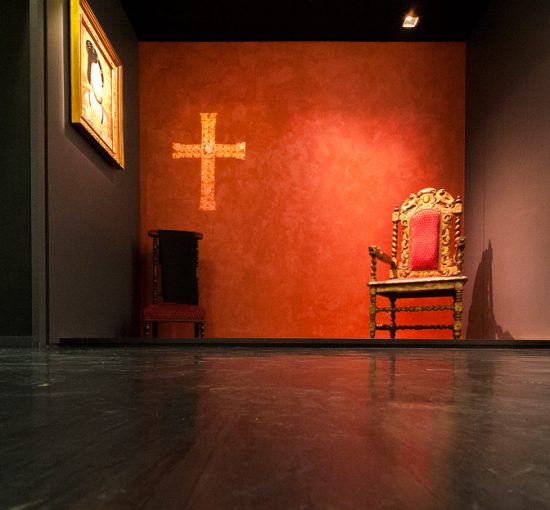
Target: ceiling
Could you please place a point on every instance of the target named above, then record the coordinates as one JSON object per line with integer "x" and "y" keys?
{"x": 302, "y": 20}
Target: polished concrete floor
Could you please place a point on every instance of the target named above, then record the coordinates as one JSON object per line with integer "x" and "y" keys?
{"x": 274, "y": 428}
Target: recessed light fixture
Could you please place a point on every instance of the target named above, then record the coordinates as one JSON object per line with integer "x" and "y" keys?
{"x": 410, "y": 21}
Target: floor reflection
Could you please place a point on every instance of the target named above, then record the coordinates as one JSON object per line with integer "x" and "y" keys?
{"x": 274, "y": 428}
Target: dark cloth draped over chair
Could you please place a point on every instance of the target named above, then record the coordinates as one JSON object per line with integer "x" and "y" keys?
{"x": 175, "y": 281}
{"x": 428, "y": 227}
{"x": 178, "y": 251}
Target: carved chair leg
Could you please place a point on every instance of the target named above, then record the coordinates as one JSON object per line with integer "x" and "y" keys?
{"x": 147, "y": 326}
{"x": 392, "y": 317}
{"x": 457, "y": 315}
{"x": 372, "y": 313}
{"x": 202, "y": 329}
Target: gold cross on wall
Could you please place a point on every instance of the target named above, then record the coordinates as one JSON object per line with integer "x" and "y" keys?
{"x": 208, "y": 151}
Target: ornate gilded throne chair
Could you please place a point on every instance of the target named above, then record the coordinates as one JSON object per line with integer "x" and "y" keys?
{"x": 175, "y": 281}
{"x": 430, "y": 262}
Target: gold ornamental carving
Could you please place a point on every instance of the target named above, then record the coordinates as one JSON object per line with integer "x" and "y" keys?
{"x": 208, "y": 150}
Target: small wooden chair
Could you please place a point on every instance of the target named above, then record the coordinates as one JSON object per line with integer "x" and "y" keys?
{"x": 427, "y": 267}
{"x": 183, "y": 306}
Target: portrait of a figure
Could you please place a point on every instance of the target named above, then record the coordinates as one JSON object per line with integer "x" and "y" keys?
{"x": 96, "y": 84}
{"x": 96, "y": 97}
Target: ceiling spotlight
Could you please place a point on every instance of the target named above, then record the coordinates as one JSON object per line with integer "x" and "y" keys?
{"x": 410, "y": 21}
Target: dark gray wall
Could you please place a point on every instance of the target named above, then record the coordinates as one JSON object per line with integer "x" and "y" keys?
{"x": 93, "y": 207}
{"x": 15, "y": 172}
{"x": 508, "y": 172}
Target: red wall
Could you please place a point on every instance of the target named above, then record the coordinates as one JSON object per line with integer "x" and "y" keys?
{"x": 336, "y": 134}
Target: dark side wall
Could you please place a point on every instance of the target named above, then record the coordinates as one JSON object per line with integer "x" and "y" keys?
{"x": 93, "y": 207}
{"x": 15, "y": 174}
{"x": 507, "y": 172}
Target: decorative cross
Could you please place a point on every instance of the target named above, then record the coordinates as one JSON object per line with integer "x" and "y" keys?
{"x": 208, "y": 150}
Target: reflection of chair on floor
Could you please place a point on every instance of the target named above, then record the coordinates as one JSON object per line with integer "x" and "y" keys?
{"x": 427, "y": 268}
{"x": 175, "y": 281}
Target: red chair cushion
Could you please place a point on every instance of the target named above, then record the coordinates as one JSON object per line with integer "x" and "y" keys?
{"x": 424, "y": 239}
{"x": 169, "y": 312}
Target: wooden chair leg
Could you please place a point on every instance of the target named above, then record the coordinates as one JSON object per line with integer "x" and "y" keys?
{"x": 199, "y": 329}
{"x": 457, "y": 315}
{"x": 392, "y": 318}
{"x": 147, "y": 327}
{"x": 372, "y": 313}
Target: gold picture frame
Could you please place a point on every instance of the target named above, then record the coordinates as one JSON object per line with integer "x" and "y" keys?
{"x": 96, "y": 84}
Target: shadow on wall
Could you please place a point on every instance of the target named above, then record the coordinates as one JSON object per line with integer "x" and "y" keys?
{"x": 482, "y": 323}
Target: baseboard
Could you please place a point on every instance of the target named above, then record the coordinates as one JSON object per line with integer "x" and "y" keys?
{"x": 16, "y": 341}
{"x": 303, "y": 342}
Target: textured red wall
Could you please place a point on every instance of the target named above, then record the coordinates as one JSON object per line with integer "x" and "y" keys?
{"x": 336, "y": 134}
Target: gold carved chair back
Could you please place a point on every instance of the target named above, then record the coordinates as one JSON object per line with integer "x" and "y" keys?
{"x": 430, "y": 235}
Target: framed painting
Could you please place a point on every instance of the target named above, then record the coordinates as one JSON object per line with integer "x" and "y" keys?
{"x": 96, "y": 84}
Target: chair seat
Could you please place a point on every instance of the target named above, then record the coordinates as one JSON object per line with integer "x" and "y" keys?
{"x": 415, "y": 287}
{"x": 174, "y": 312}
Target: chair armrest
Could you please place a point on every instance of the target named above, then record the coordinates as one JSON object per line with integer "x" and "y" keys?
{"x": 377, "y": 254}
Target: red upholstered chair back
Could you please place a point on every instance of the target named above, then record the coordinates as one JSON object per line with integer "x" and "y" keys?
{"x": 424, "y": 234}
{"x": 430, "y": 221}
